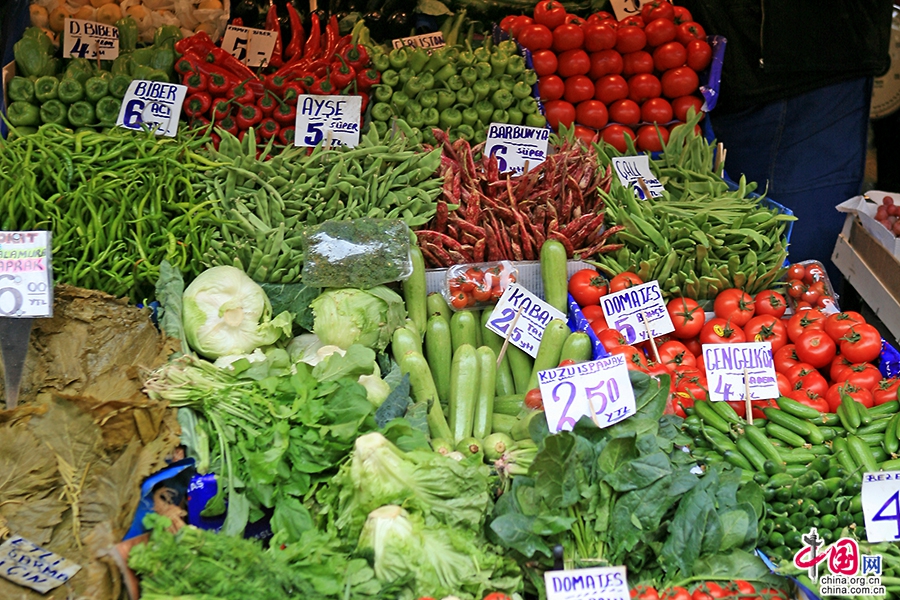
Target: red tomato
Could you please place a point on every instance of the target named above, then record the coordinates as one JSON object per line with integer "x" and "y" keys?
{"x": 784, "y": 385}
{"x": 837, "y": 365}
{"x": 766, "y": 328}
{"x": 810, "y": 295}
{"x": 635, "y": 359}
{"x": 681, "y": 106}
{"x": 682, "y": 15}
{"x": 887, "y": 390}
{"x": 837, "y": 324}
{"x": 804, "y": 376}
{"x": 632, "y": 21}
{"x": 614, "y": 135}
{"x": 602, "y": 15}
{"x": 679, "y": 82}
{"x": 534, "y": 37}
{"x": 721, "y": 331}
{"x": 634, "y": 63}
{"x": 804, "y": 320}
{"x": 507, "y": 21}
{"x": 587, "y": 286}
{"x": 573, "y": 62}
{"x": 816, "y": 348}
{"x": 567, "y": 36}
{"x": 610, "y": 338}
{"x": 689, "y": 31}
{"x": 575, "y": 20}
{"x": 593, "y": 312}
{"x": 659, "y": 32}
{"x": 585, "y": 134}
{"x": 687, "y": 317}
{"x": 643, "y": 592}
{"x": 605, "y": 62}
{"x": 578, "y": 89}
{"x": 460, "y": 300}
{"x": 534, "y": 400}
{"x": 699, "y": 55}
{"x": 676, "y": 593}
{"x": 592, "y": 113}
{"x": 834, "y": 395}
{"x": 735, "y": 304}
{"x": 770, "y": 303}
{"x": 551, "y": 87}
{"x": 785, "y": 358}
{"x": 669, "y": 56}
{"x": 675, "y": 354}
{"x": 550, "y": 13}
{"x": 862, "y": 375}
{"x": 497, "y": 596}
{"x": 657, "y": 9}
{"x": 610, "y": 88}
{"x": 623, "y": 281}
{"x": 796, "y": 288}
{"x": 810, "y": 399}
{"x": 626, "y": 112}
{"x": 656, "y": 110}
{"x": 643, "y": 87}
{"x": 630, "y": 39}
{"x": 520, "y": 23}
{"x": 598, "y": 326}
{"x": 545, "y": 62}
{"x": 690, "y": 390}
{"x": 861, "y": 343}
{"x": 652, "y": 138}
{"x": 710, "y": 589}
{"x": 796, "y": 271}
{"x": 559, "y": 111}
{"x": 813, "y": 273}
{"x": 598, "y": 36}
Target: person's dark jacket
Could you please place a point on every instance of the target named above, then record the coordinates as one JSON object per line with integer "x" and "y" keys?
{"x": 780, "y": 48}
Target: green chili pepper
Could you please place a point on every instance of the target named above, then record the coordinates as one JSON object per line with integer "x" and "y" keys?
{"x": 521, "y": 90}
{"x": 516, "y": 117}
{"x": 20, "y": 89}
{"x": 469, "y": 75}
{"x": 398, "y": 58}
{"x": 412, "y": 108}
{"x": 466, "y": 132}
{"x": 46, "y": 88}
{"x": 500, "y": 116}
{"x": 418, "y": 58}
{"x": 494, "y": 84}
{"x": 446, "y": 99}
{"x": 70, "y": 90}
{"x": 484, "y": 109}
{"x": 507, "y": 46}
{"x": 428, "y": 99}
{"x": 381, "y": 127}
{"x": 427, "y": 80}
{"x": 483, "y": 70}
{"x": 450, "y": 118}
{"x": 445, "y": 73}
{"x": 481, "y": 89}
{"x": 381, "y": 62}
{"x": 438, "y": 59}
{"x": 516, "y": 65}
{"x": 81, "y": 114}
{"x": 21, "y": 131}
{"x": 118, "y": 86}
{"x": 507, "y": 83}
{"x": 528, "y": 105}
{"x": 502, "y": 99}
{"x": 535, "y": 120}
{"x": 95, "y": 88}
{"x": 406, "y": 74}
{"x": 383, "y": 93}
{"x": 382, "y": 111}
{"x": 54, "y": 111}
{"x": 469, "y": 116}
{"x": 390, "y": 77}
{"x": 455, "y": 83}
{"x": 398, "y": 102}
{"x": 23, "y": 113}
{"x": 466, "y": 59}
{"x": 415, "y": 120}
{"x": 465, "y": 96}
{"x": 480, "y": 136}
{"x": 107, "y": 110}
{"x": 412, "y": 87}
{"x": 499, "y": 60}
{"x": 431, "y": 116}
{"x": 482, "y": 54}
{"x": 530, "y": 77}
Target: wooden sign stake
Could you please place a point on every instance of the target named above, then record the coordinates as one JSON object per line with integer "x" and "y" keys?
{"x": 328, "y": 140}
{"x": 644, "y": 187}
{"x": 747, "y": 397}
{"x": 508, "y": 335}
{"x": 650, "y": 335}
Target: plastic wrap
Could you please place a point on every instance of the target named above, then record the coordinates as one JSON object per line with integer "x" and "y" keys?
{"x": 477, "y": 285}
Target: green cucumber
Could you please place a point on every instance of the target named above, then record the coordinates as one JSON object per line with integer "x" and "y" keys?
{"x": 797, "y": 409}
{"x": 842, "y": 453}
{"x": 798, "y": 426}
{"x": 751, "y": 454}
{"x": 861, "y": 454}
{"x": 710, "y": 416}
{"x": 577, "y": 347}
{"x": 484, "y": 403}
{"x": 438, "y": 351}
{"x": 888, "y": 408}
{"x": 415, "y": 290}
{"x": 554, "y": 275}
{"x": 437, "y": 305}
{"x": 520, "y": 363}
{"x": 784, "y": 434}
{"x": 762, "y": 443}
{"x": 464, "y": 386}
{"x": 738, "y": 460}
{"x": 506, "y": 385}
{"x": 552, "y": 341}
{"x": 463, "y": 330}
{"x": 891, "y": 442}
{"x": 724, "y": 410}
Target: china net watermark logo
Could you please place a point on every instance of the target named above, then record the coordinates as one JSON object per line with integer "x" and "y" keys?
{"x": 848, "y": 573}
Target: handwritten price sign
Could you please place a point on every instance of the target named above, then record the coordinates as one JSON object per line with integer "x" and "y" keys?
{"x": 725, "y": 367}
{"x": 253, "y": 47}
{"x": 595, "y": 583}
{"x": 154, "y": 105}
{"x": 514, "y": 146}
{"x": 881, "y": 506}
{"x": 632, "y": 169}
{"x": 87, "y": 39}
{"x": 428, "y": 40}
{"x": 25, "y": 286}
{"x": 529, "y": 328}
{"x": 328, "y": 117}
{"x": 27, "y": 564}
{"x": 626, "y": 310}
{"x": 600, "y": 389}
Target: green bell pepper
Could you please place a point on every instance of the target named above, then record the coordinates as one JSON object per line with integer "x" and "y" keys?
{"x": 150, "y": 74}
{"x": 46, "y": 88}
{"x": 483, "y": 70}
{"x": 96, "y": 88}
{"x": 466, "y": 132}
{"x": 418, "y": 58}
{"x": 128, "y": 34}
{"x": 515, "y": 66}
{"x": 381, "y": 62}
{"x": 530, "y": 77}
{"x": 381, "y": 111}
{"x": 123, "y": 65}
{"x": 415, "y": 120}
{"x": 516, "y": 117}
{"x": 81, "y": 114}
{"x": 80, "y": 69}
{"x": 528, "y": 106}
{"x": 521, "y": 90}
{"x": 406, "y": 74}
{"x": 24, "y": 114}
{"x": 484, "y": 109}
{"x": 480, "y": 136}
{"x": 469, "y": 75}
{"x": 166, "y": 36}
{"x": 70, "y": 90}
{"x": 507, "y": 83}
{"x": 427, "y": 80}
{"x": 499, "y": 60}
{"x": 412, "y": 108}
{"x": 21, "y": 131}
{"x": 500, "y": 116}
{"x": 107, "y": 110}
{"x": 469, "y": 116}
{"x": 399, "y": 57}
{"x": 20, "y": 89}
{"x": 445, "y": 99}
{"x": 481, "y": 89}
{"x": 34, "y": 54}
{"x": 445, "y": 72}
{"x": 450, "y": 118}
{"x": 398, "y": 102}
{"x": 465, "y": 96}
{"x": 118, "y": 85}
{"x": 535, "y": 120}
{"x": 456, "y": 83}
{"x": 391, "y": 78}
{"x": 412, "y": 87}
{"x": 502, "y": 99}
{"x": 494, "y": 84}
{"x": 163, "y": 59}
{"x": 381, "y": 127}
{"x": 54, "y": 111}
{"x": 383, "y": 93}
{"x": 431, "y": 116}
{"x": 428, "y": 98}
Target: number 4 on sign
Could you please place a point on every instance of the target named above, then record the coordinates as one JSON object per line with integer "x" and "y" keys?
{"x": 881, "y": 515}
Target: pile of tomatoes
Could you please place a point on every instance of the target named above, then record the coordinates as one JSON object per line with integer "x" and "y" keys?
{"x": 808, "y": 286}
{"x": 708, "y": 590}
{"x": 817, "y": 356}
{"x": 476, "y": 286}
{"x": 639, "y": 74}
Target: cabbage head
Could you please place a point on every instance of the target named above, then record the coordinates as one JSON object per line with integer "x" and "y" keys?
{"x": 348, "y": 316}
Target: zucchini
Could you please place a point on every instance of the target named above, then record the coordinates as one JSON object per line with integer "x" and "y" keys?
{"x": 555, "y": 276}
{"x": 437, "y": 305}
{"x": 509, "y": 405}
{"x": 552, "y": 340}
{"x": 520, "y": 363}
{"x": 463, "y": 391}
{"x": 422, "y": 389}
{"x": 403, "y": 341}
{"x": 577, "y": 347}
{"x": 415, "y": 292}
{"x": 463, "y": 330}
{"x": 506, "y": 385}
{"x": 438, "y": 351}
{"x": 484, "y": 402}
{"x": 501, "y": 423}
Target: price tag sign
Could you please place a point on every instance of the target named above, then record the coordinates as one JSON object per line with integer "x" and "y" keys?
{"x": 334, "y": 118}
{"x": 725, "y": 367}
{"x": 428, "y": 40}
{"x": 627, "y": 8}
{"x": 27, "y": 564}
{"x": 533, "y": 319}
{"x": 599, "y": 389}
{"x": 516, "y": 145}
{"x": 25, "y": 286}
{"x": 881, "y": 506}
{"x": 595, "y": 583}
{"x": 253, "y": 47}
{"x": 152, "y": 104}
{"x": 87, "y": 39}
{"x": 626, "y": 310}
{"x": 632, "y": 169}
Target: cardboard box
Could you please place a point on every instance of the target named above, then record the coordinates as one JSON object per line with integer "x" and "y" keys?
{"x": 865, "y": 207}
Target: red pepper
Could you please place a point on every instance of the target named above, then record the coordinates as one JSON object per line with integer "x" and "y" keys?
{"x": 291, "y": 91}
{"x": 222, "y": 108}
{"x": 313, "y": 47}
{"x": 195, "y": 82}
{"x": 228, "y": 124}
{"x": 285, "y": 114}
{"x": 242, "y": 94}
{"x": 216, "y": 140}
{"x": 322, "y": 87}
{"x": 267, "y": 104}
{"x": 219, "y": 81}
{"x": 294, "y": 49}
{"x": 366, "y": 79}
{"x": 199, "y": 42}
{"x": 237, "y": 22}
{"x": 365, "y": 103}
{"x": 272, "y": 24}
{"x": 268, "y": 128}
{"x": 228, "y": 62}
{"x": 342, "y": 44}
{"x": 286, "y": 136}
{"x": 200, "y": 122}
{"x": 275, "y": 83}
{"x": 356, "y": 56}
{"x": 248, "y": 116}
{"x": 332, "y": 34}
{"x": 197, "y": 104}
{"x": 342, "y": 74}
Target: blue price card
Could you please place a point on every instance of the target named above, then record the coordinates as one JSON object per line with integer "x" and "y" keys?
{"x": 881, "y": 506}
{"x": 526, "y": 314}
{"x": 594, "y": 583}
{"x": 626, "y": 310}
{"x": 517, "y": 146}
{"x": 732, "y": 369}
{"x": 152, "y": 104}
{"x": 599, "y": 389}
{"x": 331, "y": 119}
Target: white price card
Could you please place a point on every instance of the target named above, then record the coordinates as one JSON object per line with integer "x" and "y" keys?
{"x": 516, "y": 146}
{"x": 594, "y": 583}
{"x": 27, "y": 564}
{"x": 334, "y": 118}
{"x": 152, "y": 104}
{"x": 87, "y": 39}
{"x": 634, "y": 169}
{"x": 26, "y": 289}
{"x": 626, "y": 310}
{"x": 725, "y": 367}
{"x": 881, "y": 506}
{"x": 253, "y": 47}
{"x": 428, "y": 40}
{"x": 534, "y": 315}
{"x": 627, "y": 8}
{"x": 599, "y": 389}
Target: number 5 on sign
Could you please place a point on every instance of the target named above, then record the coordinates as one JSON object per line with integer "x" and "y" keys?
{"x": 881, "y": 506}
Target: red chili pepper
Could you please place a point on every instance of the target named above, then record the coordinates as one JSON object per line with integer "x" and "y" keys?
{"x": 313, "y": 47}
{"x": 342, "y": 74}
{"x": 366, "y": 79}
{"x": 216, "y": 140}
{"x": 200, "y": 122}
{"x": 365, "y": 103}
{"x": 291, "y": 91}
{"x": 222, "y": 108}
{"x": 248, "y": 116}
{"x": 285, "y": 114}
{"x": 237, "y": 22}
{"x": 199, "y": 42}
{"x": 342, "y": 44}
{"x": 332, "y": 34}
{"x": 275, "y": 83}
{"x": 322, "y": 87}
{"x": 267, "y": 104}
{"x": 242, "y": 94}
{"x": 228, "y": 62}
{"x": 195, "y": 82}
{"x": 197, "y": 104}
{"x": 294, "y": 49}
{"x": 228, "y": 124}
{"x": 356, "y": 56}
{"x": 272, "y": 24}
{"x": 268, "y": 128}
{"x": 286, "y": 136}
{"x": 219, "y": 81}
